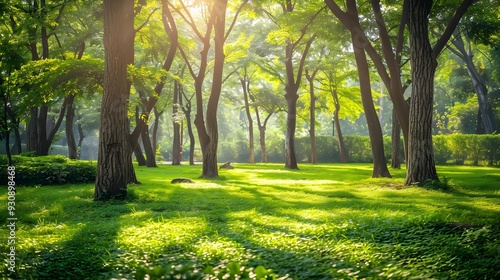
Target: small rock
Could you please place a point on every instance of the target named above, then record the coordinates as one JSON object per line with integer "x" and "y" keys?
{"x": 181, "y": 180}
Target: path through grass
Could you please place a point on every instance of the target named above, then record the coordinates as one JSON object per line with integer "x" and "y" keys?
{"x": 321, "y": 222}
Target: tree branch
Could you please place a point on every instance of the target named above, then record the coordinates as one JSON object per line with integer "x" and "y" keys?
{"x": 441, "y": 43}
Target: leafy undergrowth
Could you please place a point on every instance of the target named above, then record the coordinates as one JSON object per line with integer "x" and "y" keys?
{"x": 263, "y": 222}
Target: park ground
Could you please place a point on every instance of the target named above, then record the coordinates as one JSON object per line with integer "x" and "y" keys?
{"x": 323, "y": 221}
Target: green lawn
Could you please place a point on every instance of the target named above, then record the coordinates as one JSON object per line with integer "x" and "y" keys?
{"x": 321, "y": 222}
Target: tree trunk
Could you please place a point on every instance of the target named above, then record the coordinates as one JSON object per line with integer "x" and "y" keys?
{"x": 47, "y": 133}
{"x": 262, "y": 139}
{"x": 139, "y": 156}
{"x": 187, "y": 113}
{"x": 208, "y": 132}
{"x": 312, "y": 116}
{"x": 148, "y": 148}
{"x": 32, "y": 131}
{"x": 291, "y": 122}
{"x": 81, "y": 136}
{"x": 487, "y": 116}
{"x": 114, "y": 155}
{"x": 396, "y": 142}
{"x": 16, "y": 148}
{"x": 374, "y": 128}
{"x": 245, "y": 85}
{"x": 5, "y": 124}
{"x": 70, "y": 136}
{"x": 42, "y": 147}
{"x": 343, "y": 153}
{"x": 177, "y": 145}
{"x": 156, "y": 126}
{"x": 420, "y": 163}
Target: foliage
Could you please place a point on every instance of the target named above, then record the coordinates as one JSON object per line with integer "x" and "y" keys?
{"x": 460, "y": 148}
{"x": 324, "y": 221}
{"x": 46, "y": 80}
{"x": 48, "y": 170}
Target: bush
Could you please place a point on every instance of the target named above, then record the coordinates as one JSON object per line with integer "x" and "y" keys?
{"x": 48, "y": 170}
{"x": 470, "y": 148}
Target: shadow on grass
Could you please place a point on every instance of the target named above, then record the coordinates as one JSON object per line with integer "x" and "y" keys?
{"x": 310, "y": 231}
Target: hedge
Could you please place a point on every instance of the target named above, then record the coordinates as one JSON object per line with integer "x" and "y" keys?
{"x": 472, "y": 149}
{"x": 48, "y": 170}
{"x": 448, "y": 149}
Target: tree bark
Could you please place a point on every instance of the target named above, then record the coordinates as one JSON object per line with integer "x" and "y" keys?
{"x": 420, "y": 163}
{"x": 113, "y": 172}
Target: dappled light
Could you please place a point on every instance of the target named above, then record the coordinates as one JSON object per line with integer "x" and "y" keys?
{"x": 250, "y": 139}
{"x": 304, "y": 228}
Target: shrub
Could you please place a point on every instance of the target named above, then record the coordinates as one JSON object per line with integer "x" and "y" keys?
{"x": 48, "y": 170}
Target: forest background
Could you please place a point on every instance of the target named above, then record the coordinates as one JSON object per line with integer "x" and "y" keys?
{"x": 52, "y": 60}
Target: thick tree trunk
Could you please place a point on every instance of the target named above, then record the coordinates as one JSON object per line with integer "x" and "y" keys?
{"x": 396, "y": 142}
{"x": 374, "y": 128}
{"x": 115, "y": 155}
{"x": 420, "y": 163}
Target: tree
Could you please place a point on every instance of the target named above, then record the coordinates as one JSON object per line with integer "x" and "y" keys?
{"x": 390, "y": 69}
{"x": 112, "y": 172}
{"x": 310, "y": 76}
{"x": 420, "y": 162}
{"x": 245, "y": 85}
{"x": 477, "y": 30}
{"x": 206, "y": 123}
{"x": 351, "y": 19}
{"x": 177, "y": 119}
{"x": 293, "y": 71}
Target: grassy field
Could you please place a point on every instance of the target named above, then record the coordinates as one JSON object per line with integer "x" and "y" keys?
{"x": 321, "y": 222}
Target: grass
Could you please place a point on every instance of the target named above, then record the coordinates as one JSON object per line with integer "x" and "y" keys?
{"x": 321, "y": 222}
